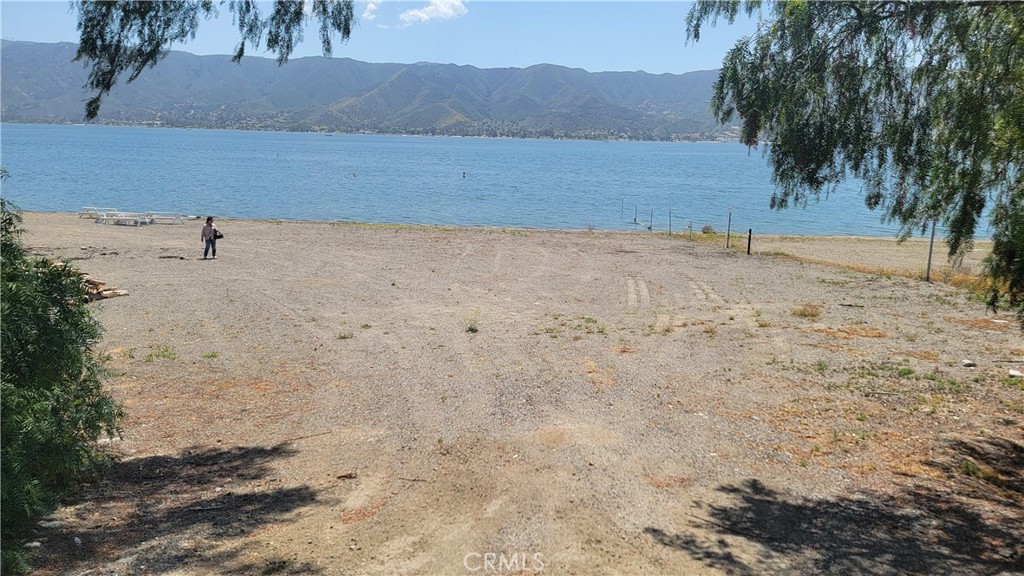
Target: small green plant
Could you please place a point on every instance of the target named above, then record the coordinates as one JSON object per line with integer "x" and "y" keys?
{"x": 821, "y": 366}
{"x": 969, "y": 468}
{"x": 711, "y": 330}
{"x": 473, "y": 322}
{"x": 365, "y": 326}
{"x": 345, "y": 335}
{"x": 211, "y": 355}
{"x": 162, "y": 352}
{"x": 905, "y": 372}
{"x": 707, "y": 229}
{"x": 867, "y": 372}
{"x": 951, "y": 386}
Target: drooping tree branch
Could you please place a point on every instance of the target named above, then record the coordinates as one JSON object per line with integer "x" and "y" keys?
{"x": 118, "y": 36}
{"x": 923, "y": 101}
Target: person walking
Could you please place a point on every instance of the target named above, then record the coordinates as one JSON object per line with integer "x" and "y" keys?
{"x": 209, "y": 237}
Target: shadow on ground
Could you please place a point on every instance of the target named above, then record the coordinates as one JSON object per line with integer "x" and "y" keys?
{"x": 160, "y": 513}
{"x": 965, "y": 524}
{"x": 989, "y": 469}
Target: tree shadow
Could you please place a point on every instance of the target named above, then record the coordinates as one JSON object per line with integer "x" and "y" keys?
{"x": 990, "y": 469}
{"x": 167, "y": 512}
{"x": 972, "y": 525}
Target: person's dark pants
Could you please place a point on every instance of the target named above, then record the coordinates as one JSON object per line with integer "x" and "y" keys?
{"x": 211, "y": 244}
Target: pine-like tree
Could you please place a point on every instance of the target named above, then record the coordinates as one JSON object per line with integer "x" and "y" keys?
{"x": 54, "y": 407}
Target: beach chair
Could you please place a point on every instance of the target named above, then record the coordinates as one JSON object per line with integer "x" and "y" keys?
{"x": 123, "y": 218}
{"x": 93, "y": 212}
{"x": 170, "y": 217}
{"x": 132, "y": 219}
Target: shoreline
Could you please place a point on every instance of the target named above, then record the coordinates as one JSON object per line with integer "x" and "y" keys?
{"x": 877, "y": 255}
{"x": 639, "y": 229}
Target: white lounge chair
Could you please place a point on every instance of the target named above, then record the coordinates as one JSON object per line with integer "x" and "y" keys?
{"x": 93, "y": 212}
{"x": 123, "y": 218}
{"x": 171, "y": 217}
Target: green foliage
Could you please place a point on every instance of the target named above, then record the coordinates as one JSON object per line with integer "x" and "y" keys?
{"x": 118, "y": 36}
{"x": 922, "y": 100}
{"x": 1006, "y": 262}
{"x": 53, "y": 404}
{"x": 163, "y": 352}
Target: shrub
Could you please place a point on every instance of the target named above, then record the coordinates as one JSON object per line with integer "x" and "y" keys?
{"x": 807, "y": 310}
{"x": 54, "y": 407}
{"x": 707, "y": 229}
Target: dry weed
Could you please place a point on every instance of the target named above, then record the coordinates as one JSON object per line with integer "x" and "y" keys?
{"x": 807, "y": 310}
{"x": 848, "y": 332}
{"x": 981, "y": 323}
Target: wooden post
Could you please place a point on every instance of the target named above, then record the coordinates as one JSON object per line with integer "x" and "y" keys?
{"x": 669, "y": 221}
{"x": 750, "y": 234}
{"x": 928, "y": 270}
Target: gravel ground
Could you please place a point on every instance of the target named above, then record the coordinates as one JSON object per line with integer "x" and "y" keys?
{"x": 358, "y": 399}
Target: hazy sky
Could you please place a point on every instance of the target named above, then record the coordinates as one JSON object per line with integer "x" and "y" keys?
{"x": 593, "y": 35}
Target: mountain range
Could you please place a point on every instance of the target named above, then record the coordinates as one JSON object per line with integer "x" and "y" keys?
{"x": 40, "y": 83}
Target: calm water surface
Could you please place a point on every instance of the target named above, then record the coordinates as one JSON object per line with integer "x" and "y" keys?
{"x": 421, "y": 180}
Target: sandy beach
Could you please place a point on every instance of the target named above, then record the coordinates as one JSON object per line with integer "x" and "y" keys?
{"x": 332, "y": 398}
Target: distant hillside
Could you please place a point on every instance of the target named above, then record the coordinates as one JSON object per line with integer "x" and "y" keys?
{"x": 41, "y": 84}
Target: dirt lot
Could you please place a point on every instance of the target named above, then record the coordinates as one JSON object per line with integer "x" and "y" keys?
{"x": 352, "y": 399}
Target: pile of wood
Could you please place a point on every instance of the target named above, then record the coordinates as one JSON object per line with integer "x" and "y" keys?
{"x": 97, "y": 289}
{"x": 94, "y": 289}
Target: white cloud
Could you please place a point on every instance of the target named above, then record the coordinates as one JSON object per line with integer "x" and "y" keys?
{"x": 435, "y": 10}
{"x": 371, "y": 10}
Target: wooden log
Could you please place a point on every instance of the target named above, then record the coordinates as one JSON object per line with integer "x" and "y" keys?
{"x": 104, "y": 294}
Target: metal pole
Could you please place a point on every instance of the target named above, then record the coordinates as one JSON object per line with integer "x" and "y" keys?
{"x": 928, "y": 270}
{"x": 634, "y": 213}
{"x": 750, "y": 234}
{"x": 728, "y": 228}
{"x": 651, "y": 227}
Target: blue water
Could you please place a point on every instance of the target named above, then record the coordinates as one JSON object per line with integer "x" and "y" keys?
{"x": 401, "y": 179}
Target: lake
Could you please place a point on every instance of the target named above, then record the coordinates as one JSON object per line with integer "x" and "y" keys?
{"x": 555, "y": 184}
